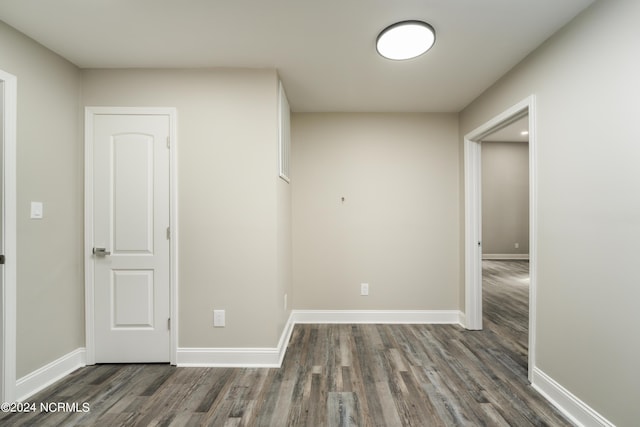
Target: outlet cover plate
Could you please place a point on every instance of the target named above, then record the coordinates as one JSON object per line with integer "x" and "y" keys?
{"x": 219, "y": 318}
{"x": 37, "y": 210}
{"x": 364, "y": 289}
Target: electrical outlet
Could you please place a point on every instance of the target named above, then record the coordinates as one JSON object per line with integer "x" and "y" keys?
{"x": 516, "y": 245}
{"x": 37, "y": 210}
{"x": 219, "y": 318}
{"x": 364, "y": 289}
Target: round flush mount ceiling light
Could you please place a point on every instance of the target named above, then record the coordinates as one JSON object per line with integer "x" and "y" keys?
{"x": 405, "y": 40}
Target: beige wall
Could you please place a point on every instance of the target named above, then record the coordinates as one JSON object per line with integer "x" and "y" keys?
{"x": 50, "y": 291}
{"x": 586, "y": 84}
{"x": 232, "y": 205}
{"x": 284, "y": 283}
{"x": 397, "y": 228}
{"x": 505, "y": 197}
{"x": 284, "y": 225}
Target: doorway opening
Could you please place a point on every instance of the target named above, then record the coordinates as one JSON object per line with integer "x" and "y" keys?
{"x": 524, "y": 110}
{"x": 8, "y": 114}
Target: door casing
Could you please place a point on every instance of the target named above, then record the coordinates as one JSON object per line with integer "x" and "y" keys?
{"x": 90, "y": 113}
{"x": 473, "y": 218}
{"x": 9, "y": 235}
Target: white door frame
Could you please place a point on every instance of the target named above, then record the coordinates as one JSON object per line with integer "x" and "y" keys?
{"x": 473, "y": 217}
{"x": 8, "y": 329}
{"x": 90, "y": 113}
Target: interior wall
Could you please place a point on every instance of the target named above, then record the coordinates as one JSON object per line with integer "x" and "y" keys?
{"x": 585, "y": 79}
{"x": 229, "y": 195}
{"x": 284, "y": 253}
{"x": 505, "y": 198}
{"x": 397, "y": 227}
{"x": 50, "y": 291}
{"x": 284, "y": 227}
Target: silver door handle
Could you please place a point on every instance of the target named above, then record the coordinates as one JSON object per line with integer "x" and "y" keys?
{"x": 101, "y": 252}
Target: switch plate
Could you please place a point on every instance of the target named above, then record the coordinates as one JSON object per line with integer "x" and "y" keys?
{"x": 218, "y": 318}
{"x": 37, "y": 210}
{"x": 364, "y": 289}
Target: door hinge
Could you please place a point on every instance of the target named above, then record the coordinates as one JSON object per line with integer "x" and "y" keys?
{"x": 169, "y": 323}
{"x": 2, "y": 259}
{"x": 168, "y": 233}
{"x": 168, "y": 142}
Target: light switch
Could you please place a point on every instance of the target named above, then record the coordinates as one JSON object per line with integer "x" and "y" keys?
{"x": 37, "y": 211}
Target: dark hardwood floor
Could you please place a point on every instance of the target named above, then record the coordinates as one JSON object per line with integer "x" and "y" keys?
{"x": 334, "y": 375}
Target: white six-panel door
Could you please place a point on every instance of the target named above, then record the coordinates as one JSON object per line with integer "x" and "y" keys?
{"x": 131, "y": 246}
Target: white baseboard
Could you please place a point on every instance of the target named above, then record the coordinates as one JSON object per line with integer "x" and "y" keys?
{"x": 229, "y": 357}
{"x": 573, "y": 408}
{"x": 271, "y": 357}
{"x": 505, "y": 256}
{"x": 463, "y": 319}
{"x": 264, "y": 357}
{"x": 41, "y": 378}
{"x": 378, "y": 316}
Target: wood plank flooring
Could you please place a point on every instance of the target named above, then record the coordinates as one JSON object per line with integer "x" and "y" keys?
{"x": 335, "y": 375}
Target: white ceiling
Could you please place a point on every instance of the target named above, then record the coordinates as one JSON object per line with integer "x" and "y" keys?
{"x": 324, "y": 50}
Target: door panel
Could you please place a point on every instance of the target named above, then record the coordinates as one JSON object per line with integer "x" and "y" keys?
{"x": 131, "y": 218}
{"x": 132, "y": 303}
{"x": 133, "y": 193}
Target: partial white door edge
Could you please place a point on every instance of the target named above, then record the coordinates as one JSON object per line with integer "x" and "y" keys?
{"x": 473, "y": 217}
{"x": 8, "y": 356}
{"x": 473, "y": 235}
{"x": 90, "y": 112}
